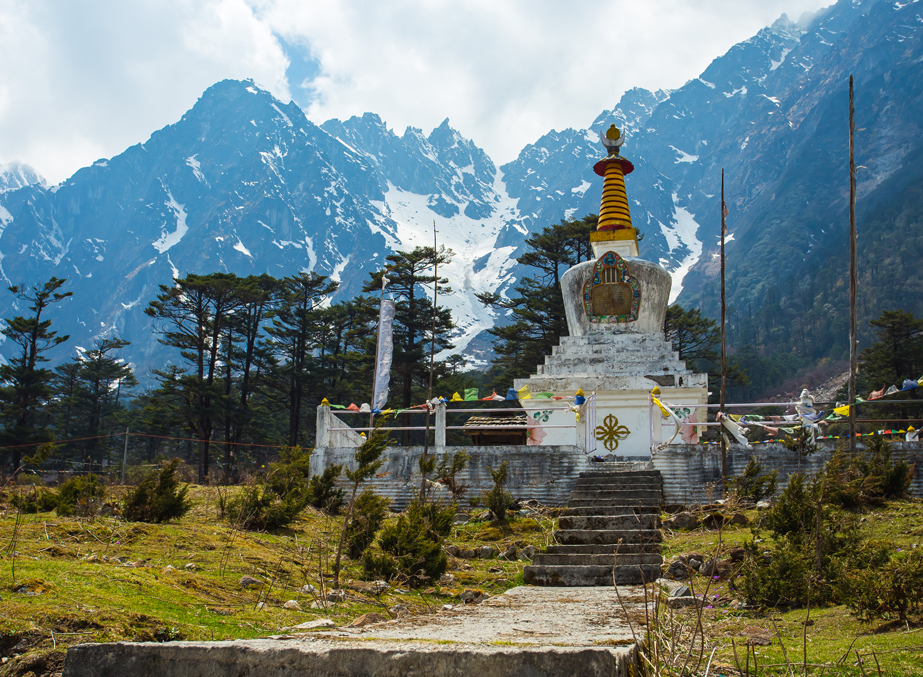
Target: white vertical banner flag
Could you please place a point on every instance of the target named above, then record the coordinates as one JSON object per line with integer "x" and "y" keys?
{"x": 385, "y": 350}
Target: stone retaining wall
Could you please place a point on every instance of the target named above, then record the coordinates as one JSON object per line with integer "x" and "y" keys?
{"x": 548, "y": 473}
{"x": 544, "y": 473}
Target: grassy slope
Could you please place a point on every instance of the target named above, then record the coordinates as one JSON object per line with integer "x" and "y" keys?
{"x": 129, "y": 594}
{"x": 135, "y": 597}
{"x": 831, "y": 632}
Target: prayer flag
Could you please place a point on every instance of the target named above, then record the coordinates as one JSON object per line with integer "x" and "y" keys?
{"x": 384, "y": 353}
{"x": 456, "y": 397}
{"x": 524, "y": 393}
{"x": 471, "y": 394}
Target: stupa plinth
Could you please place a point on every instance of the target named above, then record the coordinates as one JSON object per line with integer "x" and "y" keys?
{"x": 615, "y": 308}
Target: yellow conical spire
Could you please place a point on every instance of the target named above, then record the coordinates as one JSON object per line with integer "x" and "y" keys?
{"x": 614, "y": 231}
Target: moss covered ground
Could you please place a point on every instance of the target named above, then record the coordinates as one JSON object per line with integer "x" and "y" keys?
{"x": 65, "y": 581}
{"x": 827, "y": 638}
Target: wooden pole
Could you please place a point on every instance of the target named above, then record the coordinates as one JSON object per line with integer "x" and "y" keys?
{"x": 724, "y": 445}
{"x": 125, "y": 457}
{"x": 853, "y": 364}
{"x": 432, "y": 354}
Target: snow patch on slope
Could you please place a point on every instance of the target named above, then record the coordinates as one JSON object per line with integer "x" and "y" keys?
{"x": 167, "y": 240}
{"x": 194, "y": 164}
{"x": 683, "y": 232}
{"x": 407, "y": 222}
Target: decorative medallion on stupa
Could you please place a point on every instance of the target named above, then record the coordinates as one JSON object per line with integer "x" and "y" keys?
{"x": 615, "y": 306}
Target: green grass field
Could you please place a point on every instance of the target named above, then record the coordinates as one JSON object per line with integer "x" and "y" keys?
{"x": 65, "y": 581}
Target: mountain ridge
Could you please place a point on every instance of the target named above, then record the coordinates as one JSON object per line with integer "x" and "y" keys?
{"x": 244, "y": 183}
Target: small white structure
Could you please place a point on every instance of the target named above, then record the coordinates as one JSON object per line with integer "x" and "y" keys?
{"x": 615, "y": 309}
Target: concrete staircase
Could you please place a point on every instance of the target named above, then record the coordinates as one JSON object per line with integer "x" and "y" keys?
{"x": 609, "y": 509}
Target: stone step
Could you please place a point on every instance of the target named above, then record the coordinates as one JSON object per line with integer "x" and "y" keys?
{"x": 653, "y": 503}
{"x": 619, "y": 482}
{"x": 609, "y": 522}
{"x": 584, "y": 549}
{"x": 573, "y": 559}
{"x": 628, "y": 496}
{"x": 606, "y": 536}
{"x": 594, "y": 510}
{"x": 615, "y": 474}
{"x": 574, "y": 576}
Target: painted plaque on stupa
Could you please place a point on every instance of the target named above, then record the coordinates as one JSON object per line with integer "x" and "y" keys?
{"x": 611, "y": 294}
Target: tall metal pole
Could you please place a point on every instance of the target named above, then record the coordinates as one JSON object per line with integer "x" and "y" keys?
{"x": 853, "y": 365}
{"x": 724, "y": 444}
{"x": 432, "y": 354}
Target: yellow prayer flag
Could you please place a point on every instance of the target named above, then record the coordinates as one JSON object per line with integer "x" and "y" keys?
{"x": 457, "y": 398}
{"x": 663, "y": 409}
{"x": 524, "y": 393}
{"x": 842, "y": 411}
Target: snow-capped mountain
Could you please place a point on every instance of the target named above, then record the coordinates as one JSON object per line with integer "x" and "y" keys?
{"x": 244, "y": 183}
{"x": 18, "y": 175}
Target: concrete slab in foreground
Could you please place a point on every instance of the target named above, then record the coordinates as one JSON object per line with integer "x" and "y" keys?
{"x": 528, "y": 631}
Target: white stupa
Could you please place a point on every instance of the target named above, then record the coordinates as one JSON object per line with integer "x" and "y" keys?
{"x": 615, "y": 309}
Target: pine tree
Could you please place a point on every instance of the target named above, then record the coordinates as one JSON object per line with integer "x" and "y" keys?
{"x": 538, "y": 307}
{"x": 193, "y": 314}
{"x": 25, "y": 385}
{"x": 297, "y": 332}
{"x": 408, "y": 276}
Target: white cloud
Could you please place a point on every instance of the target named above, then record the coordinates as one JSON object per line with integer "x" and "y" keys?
{"x": 91, "y": 79}
{"x": 83, "y": 80}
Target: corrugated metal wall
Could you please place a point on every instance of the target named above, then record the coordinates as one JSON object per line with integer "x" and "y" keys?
{"x": 691, "y": 472}
{"x": 546, "y": 474}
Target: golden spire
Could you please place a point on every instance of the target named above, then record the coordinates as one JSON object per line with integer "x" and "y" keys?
{"x": 614, "y": 230}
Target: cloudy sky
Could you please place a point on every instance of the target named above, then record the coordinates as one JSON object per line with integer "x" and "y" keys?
{"x": 85, "y": 80}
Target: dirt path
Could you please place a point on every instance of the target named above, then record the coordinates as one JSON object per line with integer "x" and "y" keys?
{"x": 526, "y": 631}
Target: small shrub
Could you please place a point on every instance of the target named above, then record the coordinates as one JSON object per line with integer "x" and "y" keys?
{"x": 158, "y": 498}
{"x": 447, "y": 473}
{"x": 753, "y": 484}
{"x": 81, "y": 496}
{"x": 794, "y": 512}
{"x": 867, "y": 478}
{"x": 258, "y": 508}
{"x": 498, "y": 499}
{"x": 368, "y": 515}
{"x": 414, "y": 543}
{"x": 803, "y": 442}
{"x": 323, "y": 493}
{"x": 378, "y": 565}
{"x": 896, "y": 588}
{"x": 779, "y": 577}
{"x": 291, "y": 473}
{"x": 439, "y": 518}
{"x": 35, "y": 500}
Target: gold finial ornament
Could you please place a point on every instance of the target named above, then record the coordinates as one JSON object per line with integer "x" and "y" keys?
{"x": 612, "y": 140}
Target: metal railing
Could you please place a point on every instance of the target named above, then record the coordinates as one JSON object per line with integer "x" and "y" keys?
{"x": 327, "y": 422}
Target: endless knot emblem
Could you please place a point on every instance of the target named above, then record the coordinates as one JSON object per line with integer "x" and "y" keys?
{"x": 610, "y": 432}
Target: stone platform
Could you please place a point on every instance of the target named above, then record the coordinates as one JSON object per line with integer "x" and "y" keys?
{"x": 527, "y": 631}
